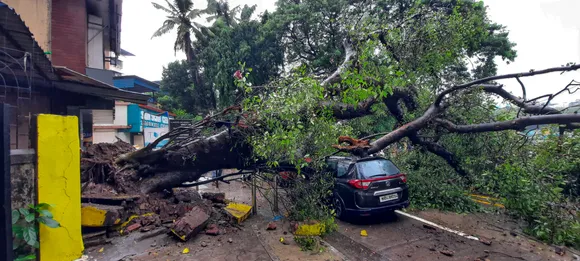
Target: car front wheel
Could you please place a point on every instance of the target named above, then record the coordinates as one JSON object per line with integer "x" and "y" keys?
{"x": 339, "y": 208}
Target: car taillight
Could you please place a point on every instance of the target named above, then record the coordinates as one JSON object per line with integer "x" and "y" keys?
{"x": 403, "y": 178}
{"x": 359, "y": 184}
{"x": 365, "y": 183}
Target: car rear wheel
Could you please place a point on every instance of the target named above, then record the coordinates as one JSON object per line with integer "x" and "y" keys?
{"x": 338, "y": 208}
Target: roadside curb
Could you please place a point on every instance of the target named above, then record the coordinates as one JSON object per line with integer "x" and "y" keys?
{"x": 335, "y": 251}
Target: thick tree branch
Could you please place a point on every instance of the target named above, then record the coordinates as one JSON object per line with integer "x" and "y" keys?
{"x": 404, "y": 130}
{"x": 440, "y": 151}
{"x": 516, "y": 124}
{"x": 349, "y": 54}
{"x": 392, "y": 104}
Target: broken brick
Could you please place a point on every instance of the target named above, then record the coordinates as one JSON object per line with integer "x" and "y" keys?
{"x": 212, "y": 230}
{"x": 133, "y": 227}
{"x": 271, "y": 226}
{"x": 191, "y": 224}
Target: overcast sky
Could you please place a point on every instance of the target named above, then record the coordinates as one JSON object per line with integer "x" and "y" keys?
{"x": 547, "y": 34}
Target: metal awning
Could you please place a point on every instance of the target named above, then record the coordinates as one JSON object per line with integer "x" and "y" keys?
{"x": 77, "y": 82}
{"x": 18, "y": 43}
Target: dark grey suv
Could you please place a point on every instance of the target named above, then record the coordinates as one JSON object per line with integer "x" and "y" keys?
{"x": 367, "y": 186}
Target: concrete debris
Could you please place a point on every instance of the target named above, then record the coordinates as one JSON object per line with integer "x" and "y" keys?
{"x": 230, "y": 240}
{"x": 203, "y": 244}
{"x": 191, "y": 224}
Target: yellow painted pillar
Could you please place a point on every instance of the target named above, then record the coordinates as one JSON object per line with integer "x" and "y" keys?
{"x": 59, "y": 184}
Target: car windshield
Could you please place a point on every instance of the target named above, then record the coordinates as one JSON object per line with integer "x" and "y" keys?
{"x": 376, "y": 168}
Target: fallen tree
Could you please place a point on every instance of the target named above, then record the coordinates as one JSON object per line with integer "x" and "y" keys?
{"x": 230, "y": 146}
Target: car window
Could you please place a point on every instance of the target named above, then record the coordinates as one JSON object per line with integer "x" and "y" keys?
{"x": 376, "y": 168}
{"x": 342, "y": 169}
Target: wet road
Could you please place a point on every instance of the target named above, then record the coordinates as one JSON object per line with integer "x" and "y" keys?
{"x": 397, "y": 237}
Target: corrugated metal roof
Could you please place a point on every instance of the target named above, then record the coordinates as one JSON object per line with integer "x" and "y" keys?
{"x": 17, "y": 40}
{"x": 80, "y": 83}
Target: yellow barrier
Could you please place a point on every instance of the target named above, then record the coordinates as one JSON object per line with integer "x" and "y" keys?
{"x": 239, "y": 211}
{"x": 58, "y": 153}
{"x": 486, "y": 200}
{"x": 93, "y": 215}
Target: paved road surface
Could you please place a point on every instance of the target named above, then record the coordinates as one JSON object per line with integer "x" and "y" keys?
{"x": 398, "y": 237}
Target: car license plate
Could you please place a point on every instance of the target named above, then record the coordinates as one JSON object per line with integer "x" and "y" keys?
{"x": 389, "y": 197}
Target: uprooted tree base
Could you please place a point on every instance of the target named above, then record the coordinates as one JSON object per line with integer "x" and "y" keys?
{"x": 104, "y": 180}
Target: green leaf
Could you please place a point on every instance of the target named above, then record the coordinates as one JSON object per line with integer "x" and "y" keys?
{"x": 24, "y": 211}
{"x": 28, "y": 257}
{"x": 29, "y": 218}
{"x": 45, "y": 213}
{"x": 43, "y": 205}
{"x": 17, "y": 231}
{"x": 15, "y": 216}
{"x": 29, "y": 235}
{"x": 49, "y": 222}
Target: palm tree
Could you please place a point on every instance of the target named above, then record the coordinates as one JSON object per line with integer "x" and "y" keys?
{"x": 181, "y": 14}
{"x": 220, "y": 10}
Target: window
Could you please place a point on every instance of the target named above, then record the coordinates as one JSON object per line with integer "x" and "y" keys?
{"x": 376, "y": 168}
{"x": 342, "y": 169}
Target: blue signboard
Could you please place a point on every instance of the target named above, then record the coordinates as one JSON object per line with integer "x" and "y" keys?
{"x": 151, "y": 123}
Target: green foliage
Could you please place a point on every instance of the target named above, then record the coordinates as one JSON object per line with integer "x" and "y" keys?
{"x": 433, "y": 184}
{"x": 25, "y": 222}
{"x": 540, "y": 185}
{"x": 248, "y": 42}
{"x": 290, "y": 132}
{"x": 180, "y": 15}
{"x": 184, "y": 91}
{"x": 307, "y": 243}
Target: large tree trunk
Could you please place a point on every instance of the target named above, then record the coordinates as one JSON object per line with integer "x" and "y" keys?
{"x": 172, "y": 166}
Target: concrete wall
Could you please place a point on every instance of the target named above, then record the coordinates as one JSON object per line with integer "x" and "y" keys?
{"x": 22, "y": 177}
{"x": 69, "y": 34}
{"x": 120, "y": 113}
{"x": 59, "y": 179}
{"x": 36, "y": 15}
{"x": 104, "y": 135}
